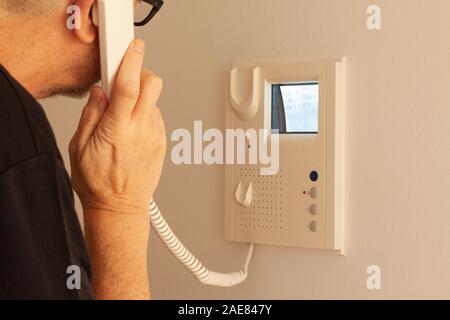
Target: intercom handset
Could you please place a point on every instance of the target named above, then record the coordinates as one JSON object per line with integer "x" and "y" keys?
{"x": 115, "y": 21}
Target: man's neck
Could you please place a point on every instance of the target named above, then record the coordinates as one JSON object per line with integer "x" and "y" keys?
{"x": 21, "y": 54}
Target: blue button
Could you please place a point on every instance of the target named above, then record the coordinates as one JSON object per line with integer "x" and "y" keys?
{"x": 314, "y": 176}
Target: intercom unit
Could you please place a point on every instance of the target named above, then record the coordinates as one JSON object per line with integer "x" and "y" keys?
{"x": 302, "y": 204}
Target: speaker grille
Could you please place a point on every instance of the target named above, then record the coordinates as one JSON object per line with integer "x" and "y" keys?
{"x": 266, "y": 211}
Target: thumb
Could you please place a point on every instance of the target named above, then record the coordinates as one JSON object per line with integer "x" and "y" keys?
{"x": 92, "y": 114}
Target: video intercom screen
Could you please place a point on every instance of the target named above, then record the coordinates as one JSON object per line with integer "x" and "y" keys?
{"x": 295, "y": 107}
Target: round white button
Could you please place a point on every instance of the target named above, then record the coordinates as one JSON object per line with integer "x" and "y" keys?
{"x": 313, "y": 209}
{"x": 313, "y": 226}
{"x": 313, "y": 193}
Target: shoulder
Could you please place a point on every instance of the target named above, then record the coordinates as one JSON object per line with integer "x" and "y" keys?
{"x": 38, "y": 220}
{"x": 24, "y": 129}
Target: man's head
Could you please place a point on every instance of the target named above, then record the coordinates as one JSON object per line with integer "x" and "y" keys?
{"x": 42, "y": 52}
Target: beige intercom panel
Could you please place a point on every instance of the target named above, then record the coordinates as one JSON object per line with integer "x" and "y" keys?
{"x": 301, "y": 202}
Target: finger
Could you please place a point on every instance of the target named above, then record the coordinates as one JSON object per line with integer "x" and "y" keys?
{"x": 126, "y": 88}
{"x": 151, "y": 87}
{"x": 91, "y": 116}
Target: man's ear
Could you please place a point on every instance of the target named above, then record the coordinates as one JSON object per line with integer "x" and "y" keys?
{"x": 87, "y": 32}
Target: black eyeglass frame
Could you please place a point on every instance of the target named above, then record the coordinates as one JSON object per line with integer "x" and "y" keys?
{"x": 157, "y": 5}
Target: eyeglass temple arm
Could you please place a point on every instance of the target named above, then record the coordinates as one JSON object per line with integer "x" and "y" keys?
{"x": 157, "y": 5}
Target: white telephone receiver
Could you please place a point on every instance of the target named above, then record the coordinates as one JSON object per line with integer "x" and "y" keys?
{"x": 115, "y": 21}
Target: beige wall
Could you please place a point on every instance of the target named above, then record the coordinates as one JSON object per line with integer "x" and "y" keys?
{"x": 398, "y": 210}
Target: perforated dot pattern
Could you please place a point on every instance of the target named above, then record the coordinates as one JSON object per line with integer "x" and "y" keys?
{"x": 266, "y": 211}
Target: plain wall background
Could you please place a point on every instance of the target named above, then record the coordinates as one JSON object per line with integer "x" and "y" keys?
{"x": 398, "y": 178}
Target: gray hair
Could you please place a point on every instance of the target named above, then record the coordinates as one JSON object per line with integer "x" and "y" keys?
{"x": 24, "y": 6}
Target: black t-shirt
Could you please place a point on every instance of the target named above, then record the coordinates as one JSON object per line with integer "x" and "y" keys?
{"x": 40, "y": 236}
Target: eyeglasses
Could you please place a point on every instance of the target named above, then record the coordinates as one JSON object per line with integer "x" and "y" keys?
{"x": 146, "y": 10}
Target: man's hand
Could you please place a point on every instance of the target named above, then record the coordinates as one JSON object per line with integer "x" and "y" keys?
{"x": 117, "y": 156}
{"x": 118, "y": 150}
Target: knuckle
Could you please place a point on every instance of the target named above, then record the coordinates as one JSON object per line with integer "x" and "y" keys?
{"x": 127, "y": 91}
{"x": 161, "y": 139}
{"x": 72, "y": 146}
{"x": 87, "y": 117}
{"x": 156, "y": 139}
{"x": 146, "y": 72}
{"x": 163, "y": 143}
{"x": 157, "y": 115}
{"x": 160, "y": 145}
{"x": 153, "y": 81}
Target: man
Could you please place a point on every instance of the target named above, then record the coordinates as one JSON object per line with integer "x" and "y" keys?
{"x": 116, "y": 154}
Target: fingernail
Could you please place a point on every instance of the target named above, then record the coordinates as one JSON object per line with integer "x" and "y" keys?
{"x": 139, "y": 45}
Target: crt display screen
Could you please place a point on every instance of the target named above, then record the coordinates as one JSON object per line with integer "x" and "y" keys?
{"x": 295, "y": 107}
